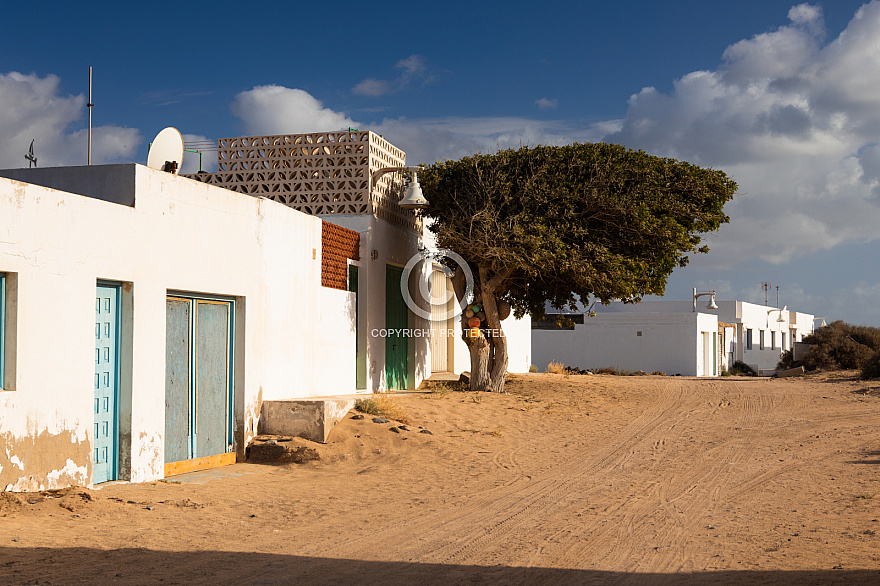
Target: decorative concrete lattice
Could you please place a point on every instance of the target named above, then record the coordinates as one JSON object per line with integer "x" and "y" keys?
{"x": 338, "y": 244}
{"x": 320, "y": 174}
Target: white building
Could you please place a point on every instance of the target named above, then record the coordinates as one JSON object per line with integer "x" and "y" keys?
{"x": 132, "y": 288}
{"x": 672, "y": 337}
{"x": 146, "y": 320}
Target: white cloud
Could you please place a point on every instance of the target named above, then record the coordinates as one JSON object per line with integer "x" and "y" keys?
{"x": 274, "y": 109}
{"x": 547, "y": 103}
{"x": 372, "y": 87}
{"x": 426, "y": 140}
{"x": 794, "y": 121}
{"x": 281, "y": 110}
{"x": 414, "y": 70}
{"x": 34, "y": 110}
{"x": 412, "y": 65}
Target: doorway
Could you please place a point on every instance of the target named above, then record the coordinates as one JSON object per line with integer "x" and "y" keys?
{"x": 198, "y": 383}
{"x": 396, "y": 323}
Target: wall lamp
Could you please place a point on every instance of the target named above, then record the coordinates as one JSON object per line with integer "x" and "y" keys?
{"x": 412, "y": 197}
{"x": 711, "y": 299}
{"x": 781, "y": 311}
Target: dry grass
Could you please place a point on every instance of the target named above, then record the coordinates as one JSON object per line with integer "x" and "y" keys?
{"x": 555, "y": 368}
{"x": 383, "y": 405}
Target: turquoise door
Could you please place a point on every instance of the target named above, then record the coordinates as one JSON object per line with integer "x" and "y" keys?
{"x": 198, "y": 378}
{"x": 104, "y": 445}
{"x": 178, "y": 351}
{"x": 396, "y": 319}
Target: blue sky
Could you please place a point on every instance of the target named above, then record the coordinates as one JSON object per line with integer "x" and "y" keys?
{"x": 783, "y": 96}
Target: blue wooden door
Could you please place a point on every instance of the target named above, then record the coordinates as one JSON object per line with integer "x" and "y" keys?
{"x": 198, "y": 378}
{"x": 211, "y": 396}
{"x": 178, "y": 351}
{"x": 104, "y": 445}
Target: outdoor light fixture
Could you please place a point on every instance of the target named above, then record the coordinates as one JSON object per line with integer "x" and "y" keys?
{"x": 780, "y": 319}
{"x": 412, "y": 197}
{"x": 711, "y": 299}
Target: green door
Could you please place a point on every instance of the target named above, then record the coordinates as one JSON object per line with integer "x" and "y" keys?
{"x": 396, "y": 319}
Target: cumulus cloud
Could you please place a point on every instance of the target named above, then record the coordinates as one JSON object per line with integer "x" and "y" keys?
{"x": 794, "y": 120}
{"x": 414, "y": 69}
{"x": 275, "y": 109}
{"x": 34, "y": 110}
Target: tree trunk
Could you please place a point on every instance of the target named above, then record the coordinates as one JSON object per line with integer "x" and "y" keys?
{"x": 479, "y": 350}
{"x": 486, "y": 375}
{"x": 498, "y": 372}
{"x": 490, "y": 380}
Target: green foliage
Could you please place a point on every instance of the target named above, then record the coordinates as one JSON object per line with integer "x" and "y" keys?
{"x": 561, "y": 224}
{"x": 840, "y": 345}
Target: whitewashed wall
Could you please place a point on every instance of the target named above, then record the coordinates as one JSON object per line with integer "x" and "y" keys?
{"x": 394, "y": 246}
{"x": 294, "y": 337}
{"x": 669, "y": 342}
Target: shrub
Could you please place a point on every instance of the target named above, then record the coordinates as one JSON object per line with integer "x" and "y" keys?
{"x": 871, "y": 367}
{"x": 740, "y": 368}
{"x": 619, "y": 371}
{"x": 533, "y": 368}
{"x": 786, "y": 361}
{"x": 840, "y": 345}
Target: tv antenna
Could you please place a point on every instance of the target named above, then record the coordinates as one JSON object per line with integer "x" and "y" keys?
{"x": 166, "y": 151}
{"x": 766, "y": 287}
{"x": 32, "y": 160}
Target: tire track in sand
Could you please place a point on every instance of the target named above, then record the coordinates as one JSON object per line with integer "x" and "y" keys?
{"x": 482, "y": 520}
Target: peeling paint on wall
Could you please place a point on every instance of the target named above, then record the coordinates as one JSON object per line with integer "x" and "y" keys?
{"x": 252, "y": 417}
{"x": 45, "y": 461}
{"x": 152, "y": 453}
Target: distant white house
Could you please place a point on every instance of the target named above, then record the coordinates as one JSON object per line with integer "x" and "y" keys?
{"x": 672, "y": 337}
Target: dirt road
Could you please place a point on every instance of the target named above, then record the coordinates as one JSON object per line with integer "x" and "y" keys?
{"x": 577, "y": 479}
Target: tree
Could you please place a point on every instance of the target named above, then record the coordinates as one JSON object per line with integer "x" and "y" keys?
{"x": 561, "y": 224}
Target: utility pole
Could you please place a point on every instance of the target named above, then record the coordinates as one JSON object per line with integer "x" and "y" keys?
{"x": 90, "y": 104}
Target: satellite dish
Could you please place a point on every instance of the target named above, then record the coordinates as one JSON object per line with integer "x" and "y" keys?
{"x": 166, "y": 151}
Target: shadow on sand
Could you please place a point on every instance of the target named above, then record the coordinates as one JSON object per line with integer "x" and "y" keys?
{"x": 81, "y": 565}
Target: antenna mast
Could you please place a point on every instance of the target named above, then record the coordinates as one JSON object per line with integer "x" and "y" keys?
{"x": 766, "y": 286}
{"x": 90, "y": 104}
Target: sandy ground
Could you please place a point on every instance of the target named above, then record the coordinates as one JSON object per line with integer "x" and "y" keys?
{"x": 563, "y": 480}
